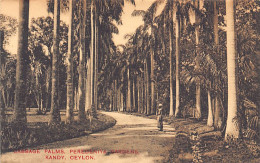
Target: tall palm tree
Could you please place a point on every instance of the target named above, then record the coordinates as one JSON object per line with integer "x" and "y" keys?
{"x": 210, "y": 120}
{"x": 90, "y": 71}
{"x": 82, "y": 58}
{"x": 95, "y": 61}
{"x": 55, "y": 113}
{"x": 197, "y": 66}
{"x": 171, "y": 113}
{"x": 233, "y": 127}
{"x": 128, "y": 96}
{"x": 19, "y": 115}
{"x": 70, "y": 91}
{"x": 177, "y": 53}
{"x": 89, "y": 61}
{"x": 217, "y": 110}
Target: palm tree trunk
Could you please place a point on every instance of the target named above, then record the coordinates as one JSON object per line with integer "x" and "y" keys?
{"x": 152, "y": 74}
{"x": 48, "y": 83}
{"x": 145, "y": 87}
{"x": 70, "y": 91}
{"x": 217, "y": 114}
{"x": 134, "y": 96}
{"x": 197, "y": 33}
{"x": 118, "y": 97}
{"x": 55, "y": 112}
{"x": 148, "y": 95}
{"x": 128, "y": 97}
{"x": 215, "y": 23}
{"x": 82, "y": 61}
{"x": 2, "y": 67}
{"x": 75, "y": 99}
{"x": 122, "y": 101}
{"x": 138, "y": 94}
{"x": 233, "y": 127}
{"x": 90, "y": 63}
{"x": 210, "y": 112}
{"x": 111, "y": 99}
{"x": 95, "y": 67}
{"x": 115, "y": 95}
{"x": 177, "y": 109}
{"x": 171, "y": 113}
{"x": 19, "y": 115}
{"x": 143, "y": 94}
{"x": 2, "y": 106}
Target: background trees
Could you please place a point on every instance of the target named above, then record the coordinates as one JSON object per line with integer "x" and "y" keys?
{"x": 8, "y": 63}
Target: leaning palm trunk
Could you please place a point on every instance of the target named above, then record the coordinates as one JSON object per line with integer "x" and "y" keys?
{"x": 55, "y": 112}
{"x": 177, "y": 109}
{"x": 19, "y": 115}
{"x": 82, "y": 58}
{"x": 233, "y": 127}
{"x": 70, "y": 91}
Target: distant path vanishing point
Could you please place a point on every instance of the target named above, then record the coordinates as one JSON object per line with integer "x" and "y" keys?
{"x": 132, "y": 139}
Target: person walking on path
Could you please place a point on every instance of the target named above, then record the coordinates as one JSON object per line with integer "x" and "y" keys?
{"x": 160, "y": 117}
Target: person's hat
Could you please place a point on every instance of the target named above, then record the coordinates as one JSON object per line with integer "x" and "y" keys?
{"x": 160, "y": 105}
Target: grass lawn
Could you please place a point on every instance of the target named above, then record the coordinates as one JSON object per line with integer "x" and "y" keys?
{"x": 38, "y": 131}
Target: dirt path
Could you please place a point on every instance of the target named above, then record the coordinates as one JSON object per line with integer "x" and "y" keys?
{"x": 132, "y": 139}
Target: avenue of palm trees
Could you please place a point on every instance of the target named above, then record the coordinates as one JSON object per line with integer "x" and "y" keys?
{"x": 196, "y": 57}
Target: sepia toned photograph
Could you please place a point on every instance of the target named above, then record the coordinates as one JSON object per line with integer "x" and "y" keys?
{"x": 129, "y": 81}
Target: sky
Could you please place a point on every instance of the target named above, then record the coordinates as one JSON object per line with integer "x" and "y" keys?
{"x": 38, "y": 8}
